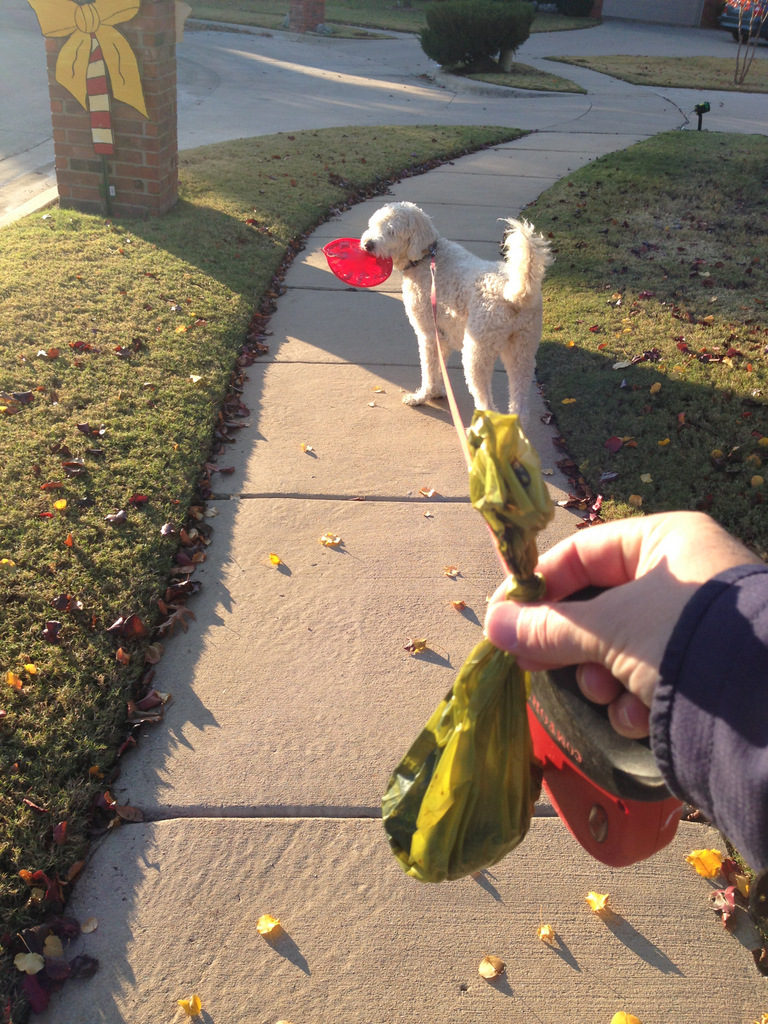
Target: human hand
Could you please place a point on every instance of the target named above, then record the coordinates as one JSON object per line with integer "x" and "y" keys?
{"x": 649, "y": 567}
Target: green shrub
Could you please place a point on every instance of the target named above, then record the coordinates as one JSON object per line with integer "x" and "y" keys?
{"x": 472, "y": 32}
{"x": 575, "y": 8}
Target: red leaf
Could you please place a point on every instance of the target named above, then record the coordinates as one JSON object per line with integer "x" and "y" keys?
{"x": 51, "y": 631}
{"x": 60, "y": 833}
{"x": 614, "y": 444}
{"x": 36, "y": 995}
{"x": 138, "y": 499}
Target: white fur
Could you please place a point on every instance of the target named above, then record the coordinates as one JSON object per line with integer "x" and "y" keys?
{"x": 486, "y": 310}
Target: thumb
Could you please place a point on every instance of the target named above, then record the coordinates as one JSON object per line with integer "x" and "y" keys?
{"x": 544, "y": 636}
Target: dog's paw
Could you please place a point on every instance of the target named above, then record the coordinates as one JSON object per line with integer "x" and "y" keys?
{"x": 420, "y": 397}
{"x": 414, "y": 398}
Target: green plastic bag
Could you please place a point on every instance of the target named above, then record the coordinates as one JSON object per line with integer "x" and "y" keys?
{"x": 463, "y": 795}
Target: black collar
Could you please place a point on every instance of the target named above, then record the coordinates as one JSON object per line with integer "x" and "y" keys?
{"x": 431, "y": 251}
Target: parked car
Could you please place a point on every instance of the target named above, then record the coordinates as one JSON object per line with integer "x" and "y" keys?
{"x": 751, "y": 15}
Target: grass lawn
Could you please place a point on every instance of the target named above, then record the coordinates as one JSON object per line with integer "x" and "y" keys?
{"x": 655, "y": 352}
{"x": 677, "y": 72}
{"x": 120, "y": 342}
{"x": 374, "y": 14}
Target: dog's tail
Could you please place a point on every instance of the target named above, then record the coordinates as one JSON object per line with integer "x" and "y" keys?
{"x": 527, "y": 255}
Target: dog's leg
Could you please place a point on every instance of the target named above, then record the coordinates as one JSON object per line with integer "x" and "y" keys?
{"x": 431, "y": 382}
{"x": 521, "y": 368}
{"x": 478, "y": 361}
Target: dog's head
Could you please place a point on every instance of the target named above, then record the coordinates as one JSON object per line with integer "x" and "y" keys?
{"x": 400, "y": 231}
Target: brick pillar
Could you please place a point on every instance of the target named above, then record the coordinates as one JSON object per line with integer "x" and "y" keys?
{"x": 306, "y": 15}
{"x": 141, "y": 177}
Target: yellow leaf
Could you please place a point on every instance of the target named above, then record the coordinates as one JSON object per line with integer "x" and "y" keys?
{"x": 29, "y": 963}
{"x": 13, "y": 680}
{"x": 655, "y": 388}
{"x": 624, "y": 1018}
{"x": 60, "y": 505}
{"x": 53, "y": 946}
{"x": 568, "y": 401}
{"x": 451, "y": 571}
{"x": 7, "y": 562}
{"x": 635, "y": 500}
{"x": 95, "y": 772}
{"x": 330, "y": 540}
{"x": 757, "y": 480}
{"x": 707, "y": 863}
{"x": 275, "y": 559}
{"x": 378, "y": 390}
{"x": 307, "y": 448}
{"x": 546, "y": 933}
{"x": 646, "y": 478}
{"x": 597, "y": 900}
{"x": 30, "y": 669}
{"x": 416, "y": 646}
{"x": 191, "y": 1006}
{"x": 267, "y": 924}
{"x": 663, "y": 443}
{"x": 763, "y": 442}
{"x": 491, "y": 967}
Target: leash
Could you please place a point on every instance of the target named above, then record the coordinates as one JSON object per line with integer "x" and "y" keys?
{"x": 455, "y": 415}
{"x": 453, "y": 406}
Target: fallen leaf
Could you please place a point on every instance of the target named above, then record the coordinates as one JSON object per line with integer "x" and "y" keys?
{"x": 597, "y": 900}
{"x": 60, "y": 505}
{"x": 706, "y": 863}
{"x": 546, "y": 933}
{"x": 635, "y": 500}
{"x": 13, "y": 680}
{"x": 53, "y": 946}
{"x": 427, "y": 492}
{"x": 330, "y": 540}
{"x": 128, "y": 813}
{"x": 491, "y": 967}
{"x": 29, "y": 963}
{"x": 655, "y": 388}
{"x": 459, "y": 605}
{"x": 308, "y": 449}
{"x": 614, "y": 444}
{"x": 89, "y": 926}
{"x": 51, "y": 631}
{"x": 451, "y": 571}
{"x": 646, "y": 478}
{"x": 415, "y": 646}
{"x": 192, "y": 1006}
{"x": 663, "y": 443}
{"x": 568, "y": 401}
{"x": 122, "y": 657}
{"x": 275, "y": 559}
{"x": 267, "y": 924}
{"x": 624, "y": 1018}
{"x": 60, "y": 833}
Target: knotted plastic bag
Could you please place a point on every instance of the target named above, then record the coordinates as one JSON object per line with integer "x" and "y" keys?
{"x": 463, "y": 795}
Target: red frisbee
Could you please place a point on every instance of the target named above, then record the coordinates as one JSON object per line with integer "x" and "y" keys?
{"x": 353, "y": 265}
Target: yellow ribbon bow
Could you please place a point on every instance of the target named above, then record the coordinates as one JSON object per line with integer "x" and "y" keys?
{"x": 81, "y": 21}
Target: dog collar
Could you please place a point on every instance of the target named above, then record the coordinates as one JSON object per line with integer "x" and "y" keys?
{"x": 431, "y": 251}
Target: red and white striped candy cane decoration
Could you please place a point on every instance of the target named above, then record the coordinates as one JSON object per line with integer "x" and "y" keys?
{"x": 99, "y": 110}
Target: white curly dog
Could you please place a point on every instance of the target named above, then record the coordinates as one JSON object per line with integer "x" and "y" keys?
{"x": 486, "y": 310}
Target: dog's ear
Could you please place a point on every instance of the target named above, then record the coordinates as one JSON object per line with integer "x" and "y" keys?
{"x": 421, "y": 234}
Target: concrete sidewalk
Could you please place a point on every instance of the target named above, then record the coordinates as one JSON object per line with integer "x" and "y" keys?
{"x": 294, "y": 699}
